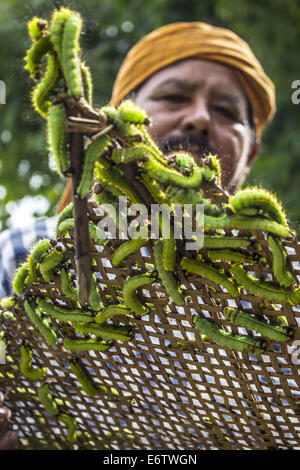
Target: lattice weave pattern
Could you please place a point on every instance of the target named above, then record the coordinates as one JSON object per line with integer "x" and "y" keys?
{"x": 166, "y": 388}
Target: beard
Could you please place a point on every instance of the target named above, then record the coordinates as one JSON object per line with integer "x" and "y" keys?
{"x": 199, "y": 147}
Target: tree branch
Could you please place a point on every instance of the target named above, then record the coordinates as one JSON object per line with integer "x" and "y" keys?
{"x": 81, "y": 228}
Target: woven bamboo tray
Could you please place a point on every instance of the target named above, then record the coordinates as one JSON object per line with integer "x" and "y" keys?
{"x": 166, "y": 388}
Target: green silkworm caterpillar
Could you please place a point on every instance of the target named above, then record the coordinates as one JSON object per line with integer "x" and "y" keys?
{"x": 245, "y": 223}
{"x": 233, "y": 342}
{"x": 126, "y": 249}
{"x": 51, "y": 261}
{"x": 57, "y": 138}
{"x": 63, "y": 228}
{"x": 155, "y": 150}
{"x": 186, "y": 160}
{"x": 42, "y": 324}
{"x": 263, "y": 289}
{"x": 125, "y": 128}
{"x": 268, "y": 330}
{"x": 201, "y": 269}
{"x": 131, "y": 113}
{"x": 47, "y": 400}
{"x": 108, "y": 189}
{"x": 107, "y": 331}
{"x": 94, "y": 296}
{"x": 3, "y": 339}
{"x": 213, "y": 162}
{"x": 104, "y": 197}
{"x": 70, "y": 55}
{"x": 129, "y": 292}
{"x": 215, "y": 241}
{"x": 42, "y": 92}
{"x": 167, "y": 277}
{"x": 252, "y": 211}
{"x": 62, "y": 313}
{"x": 66, "y": 213}
{"x": 103, "y": 157}
{"x": 94, "y": 149}
{"x": 32, "y": 270}
{"x": 35, "y": 54}
{"x": 84, "y": 377}
{"x": 232, "y": 256}
{"x": 71, "y": 423}
{"x": 37, "y": 28}
{"x": 119, "y": 181}
{"x": 7, "y": 302}
{"x": 260, "y": 199}
{"x": 164, "y": 174}
{"x": 58, "y": 20}
{"x": 111, "y": 311}
{"x": 280, "y": 271}
{"x": 25, "y": 363}
{"x": 7, "y": 315}
{"x": 183, "y": 159}
{"x": 212, "y": 209}
{"x": 68, "y": 224}
{"x": 87, "y": 82}
{"x": 212, "y": 223}
{"x": 169, "y": 253}
{"x": 18, "y": 283}
{"x": 184, "y": 196}
{"x": 94, "y": 233}
{"x": 282, "y": 320}
{"x": 67, "y": 286}
{"x": 93, "y": 344}
{"x": 137, "y": 151}
{"x": 40, "y": 249}
{"x": 294, "y": 297}
{"x": 190, "y": 196}
{"x": 154, "y": 189}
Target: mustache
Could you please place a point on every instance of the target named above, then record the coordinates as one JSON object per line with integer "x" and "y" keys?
{"x": 173, "y": 143}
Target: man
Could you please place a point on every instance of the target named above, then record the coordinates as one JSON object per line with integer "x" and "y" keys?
{"x": 204, "y": 90}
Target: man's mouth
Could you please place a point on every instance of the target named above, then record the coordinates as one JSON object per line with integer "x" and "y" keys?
{"x": 198, "y": 147}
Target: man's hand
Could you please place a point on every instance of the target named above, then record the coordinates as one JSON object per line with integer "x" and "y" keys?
{"x": 8, "y": 438}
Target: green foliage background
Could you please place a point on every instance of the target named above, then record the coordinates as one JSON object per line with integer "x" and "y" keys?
{"x": 111, "y": 27}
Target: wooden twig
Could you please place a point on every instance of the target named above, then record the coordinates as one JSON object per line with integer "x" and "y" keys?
{"x": 102, "y": 132}
{"x": 81, "y": 229}
{"x": 74, "y": 120}
{"x": 87, "y": 126}
{"x": 81, "y": 106}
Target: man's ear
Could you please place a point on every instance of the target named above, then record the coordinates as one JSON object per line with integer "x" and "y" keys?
{"x": 254, "y": 151}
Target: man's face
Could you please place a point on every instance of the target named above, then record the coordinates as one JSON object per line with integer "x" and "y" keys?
{"x": 196, "y": 103}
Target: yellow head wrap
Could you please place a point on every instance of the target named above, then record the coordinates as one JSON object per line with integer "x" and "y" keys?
{"x": 178, "y": 41}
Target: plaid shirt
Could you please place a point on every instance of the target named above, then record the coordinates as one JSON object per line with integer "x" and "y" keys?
{"x": 15, "y": 245}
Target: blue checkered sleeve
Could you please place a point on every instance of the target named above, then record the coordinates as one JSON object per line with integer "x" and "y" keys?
{"x": 15, "y": 245}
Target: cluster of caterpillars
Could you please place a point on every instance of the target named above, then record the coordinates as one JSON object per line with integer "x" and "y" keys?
{"x": 174, "y": 180}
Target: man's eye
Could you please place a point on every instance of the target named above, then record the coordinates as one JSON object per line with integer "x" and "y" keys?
{"x": 174, "y": 98}
{"x": 225, "y": 112}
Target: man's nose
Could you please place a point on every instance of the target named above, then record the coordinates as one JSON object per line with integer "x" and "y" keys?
{"x": 197, "y": 120}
